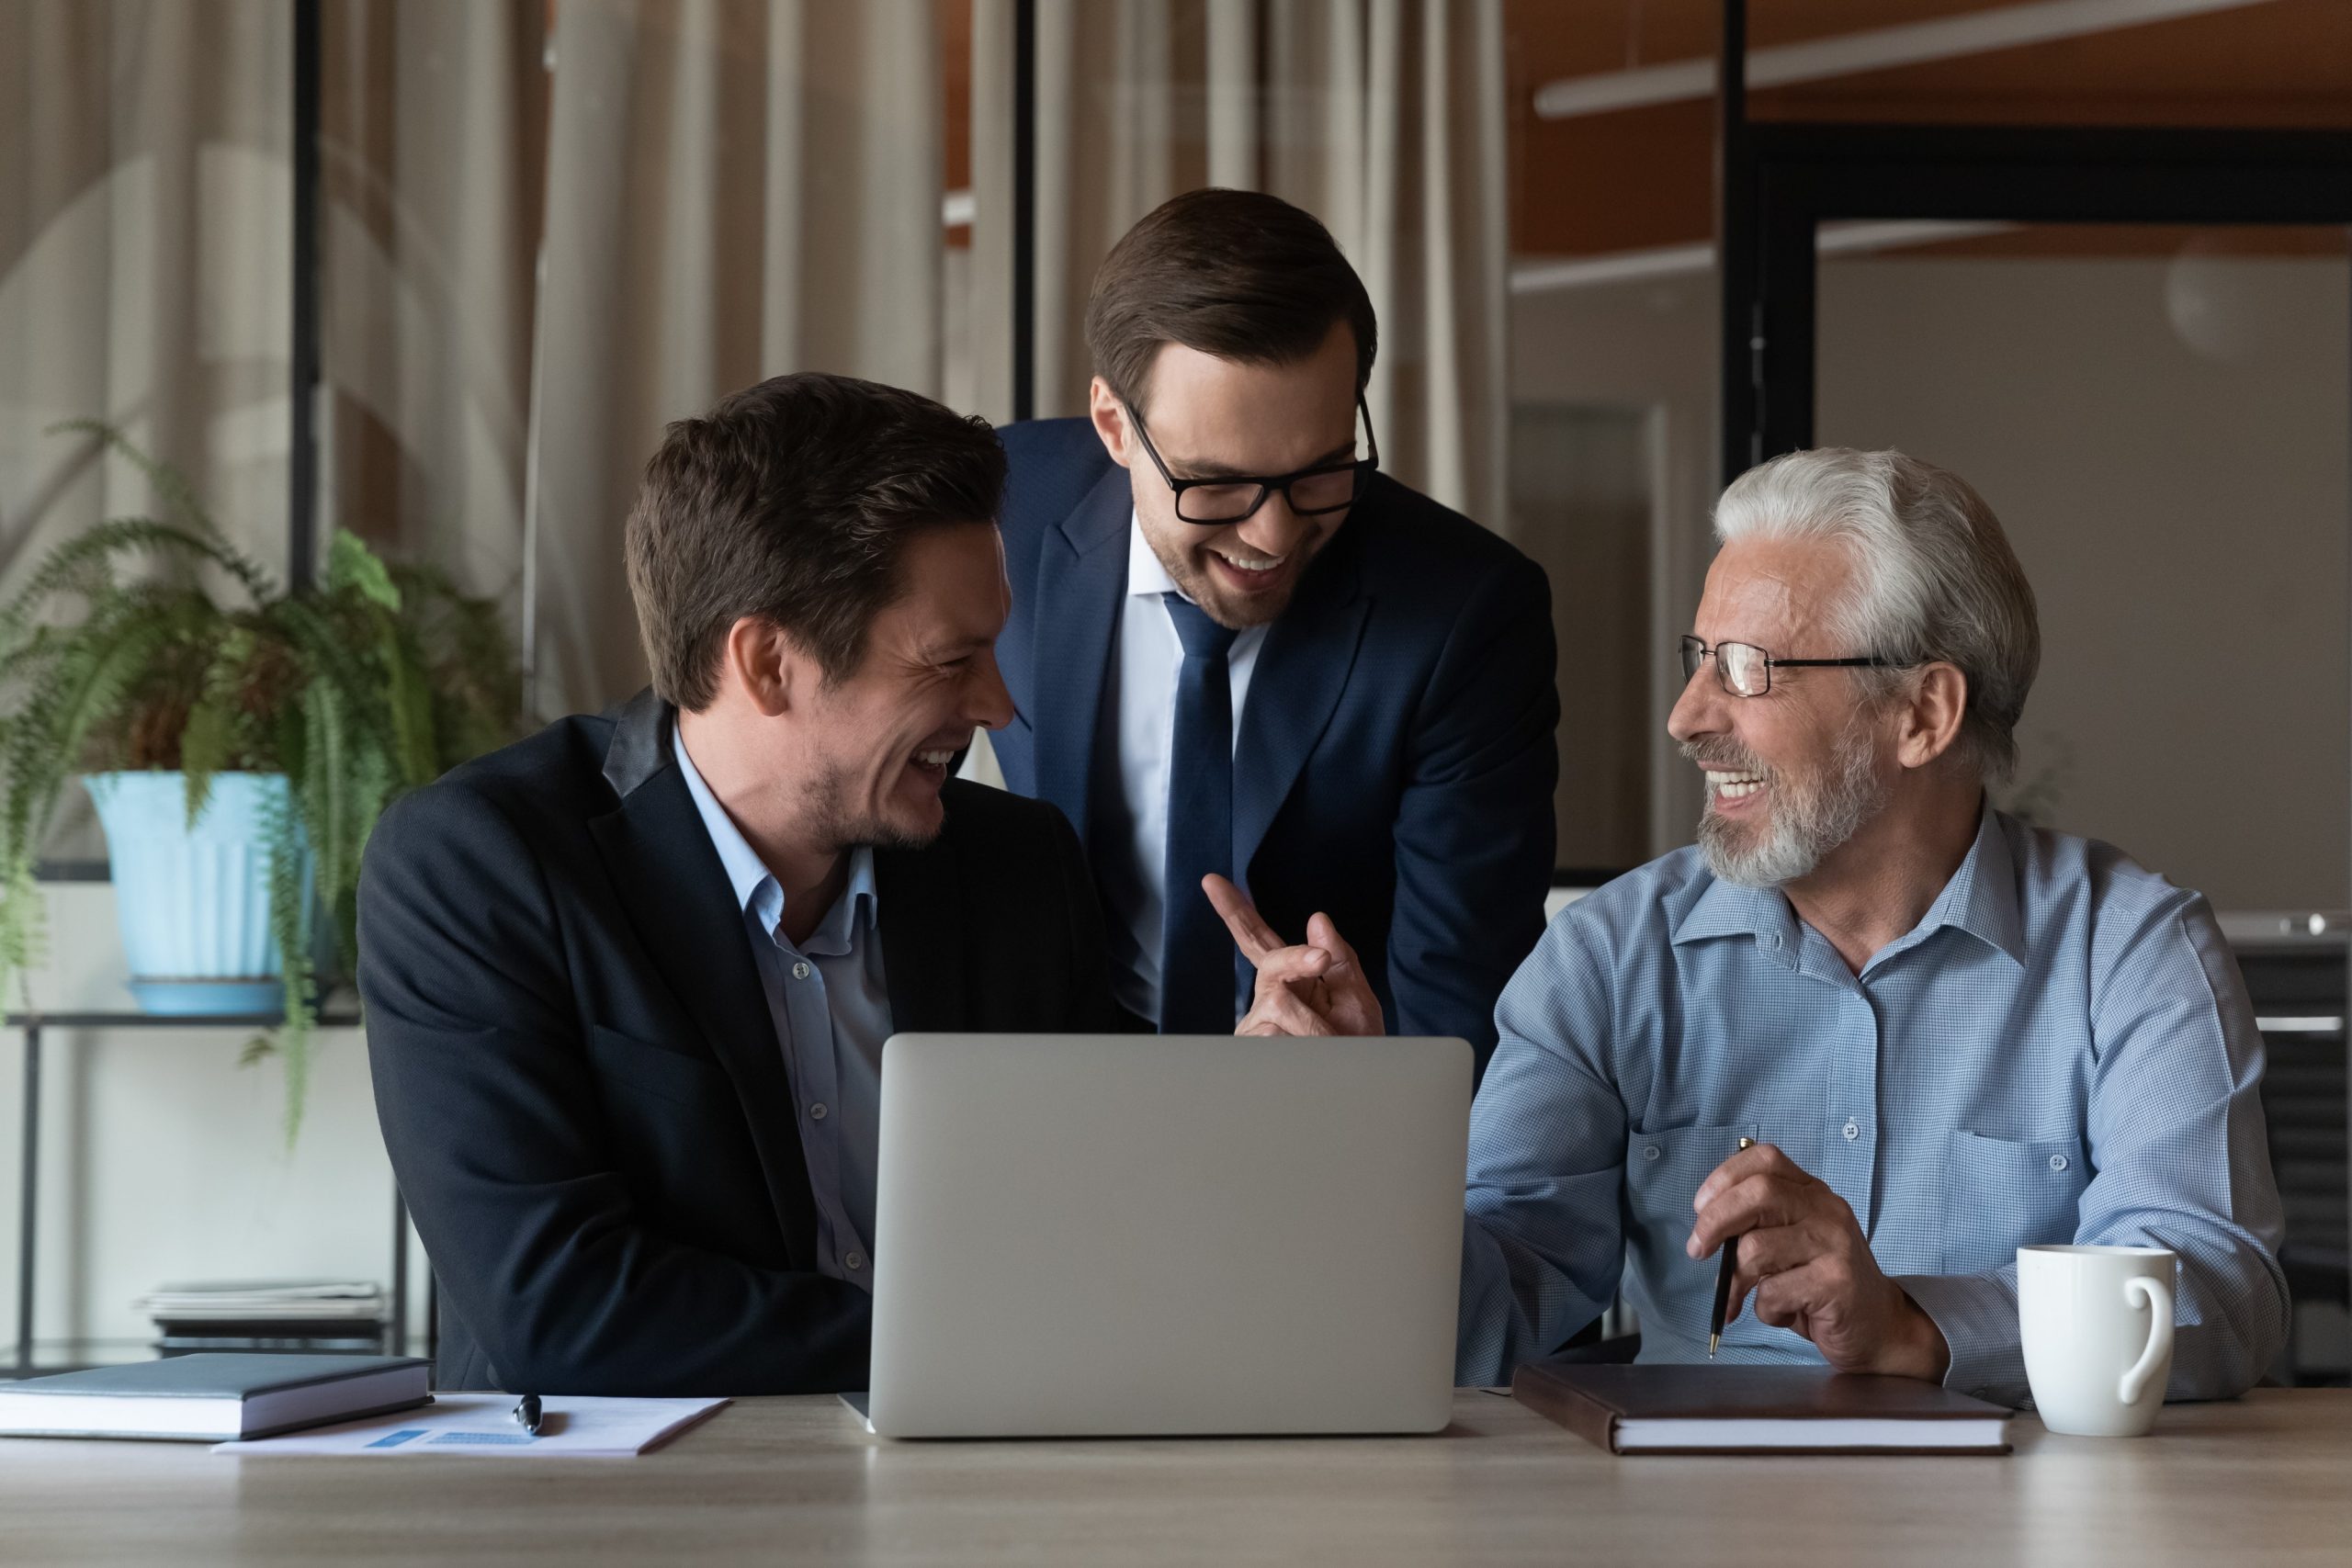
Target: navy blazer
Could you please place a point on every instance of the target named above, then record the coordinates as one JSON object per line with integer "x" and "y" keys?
{"x": 578, "y": 1074}
{"x": 1395, "y": 764}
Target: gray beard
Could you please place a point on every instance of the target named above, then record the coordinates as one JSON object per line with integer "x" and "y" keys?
{"x": 1805, "y": 829}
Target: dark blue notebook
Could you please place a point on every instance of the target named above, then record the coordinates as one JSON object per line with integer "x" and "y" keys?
{"x": 211, "y": 1398}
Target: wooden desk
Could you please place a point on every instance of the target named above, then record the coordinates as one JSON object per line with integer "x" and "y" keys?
{"x": 2267, "y": 1480}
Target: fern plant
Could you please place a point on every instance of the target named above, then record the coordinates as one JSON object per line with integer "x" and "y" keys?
{"x": 116, "y": 654}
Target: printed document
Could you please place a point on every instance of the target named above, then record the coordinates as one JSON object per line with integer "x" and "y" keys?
{"x": 484, "y": 1424}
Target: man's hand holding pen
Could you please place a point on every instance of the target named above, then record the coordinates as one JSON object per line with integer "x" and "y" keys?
{"x": 1803, "y": 1255}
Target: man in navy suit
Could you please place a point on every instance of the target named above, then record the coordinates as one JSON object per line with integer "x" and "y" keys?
{"x": 1238, "y": 650}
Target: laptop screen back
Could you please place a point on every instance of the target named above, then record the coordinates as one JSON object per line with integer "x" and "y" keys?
{"x": 1098, "y": 1235}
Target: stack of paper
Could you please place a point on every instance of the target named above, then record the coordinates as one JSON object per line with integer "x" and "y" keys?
{"x": 328, "y": 1316}
{"x": 244, "y": 1301}
{"x": 571, "y": 1425}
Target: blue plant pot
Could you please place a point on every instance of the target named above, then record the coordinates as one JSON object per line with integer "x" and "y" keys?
{"x": 193, "y": 902}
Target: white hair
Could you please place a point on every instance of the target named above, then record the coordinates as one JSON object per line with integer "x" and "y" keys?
{"x": 1934, "y": 577}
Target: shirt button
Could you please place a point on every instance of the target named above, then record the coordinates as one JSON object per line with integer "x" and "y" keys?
{"x": 1853, "y": 1129}
{"x": 816, "y": 1113}
{"x": 2057, "y": 1162}
{"x": 800, "y": 970}
{"x": 854, "y": 1261}
{"x": 1651, "y": 1152}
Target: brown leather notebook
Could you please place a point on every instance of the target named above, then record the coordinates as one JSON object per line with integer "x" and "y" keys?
{"x": 1702, "y": 1409}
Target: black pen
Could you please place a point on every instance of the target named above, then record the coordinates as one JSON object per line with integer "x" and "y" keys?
{"x": 1723, "y": 1272}
{"x": 528, "y": 1414}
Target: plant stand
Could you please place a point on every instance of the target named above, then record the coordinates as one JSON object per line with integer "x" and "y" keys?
{"x": 395, "y": 1329}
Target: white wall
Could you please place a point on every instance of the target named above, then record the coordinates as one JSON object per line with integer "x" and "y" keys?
{"x": 164, "y": 1161}
{"x": 2166, "y": 443}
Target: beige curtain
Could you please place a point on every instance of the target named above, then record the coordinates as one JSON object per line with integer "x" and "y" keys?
{"x": 146, "y": 193}
{"x": 528, "y": 274}
{"x": 522, "y": 283}
{"x": 432, "y": 157}
{"x": 736, "y": 188}
{"x": 145, "y": 265}
{"x": 1384, "y": 117}
{"x": 145, "y": 256}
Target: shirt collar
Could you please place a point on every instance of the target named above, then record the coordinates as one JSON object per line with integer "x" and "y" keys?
{"x": 745, "y": 870}
{"x": 755, "y": 887}
{"x": 1145, "y": 574}
{"x": 1727, "y": 909}
{"x": 835, "y": 934}
{"x": 1980, "y": 899}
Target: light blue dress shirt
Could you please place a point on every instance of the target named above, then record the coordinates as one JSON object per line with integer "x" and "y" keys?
{"x": 831, "y": 1012}
{"x": 2061, "y": 1049}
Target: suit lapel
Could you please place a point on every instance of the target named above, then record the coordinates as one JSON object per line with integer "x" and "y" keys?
{"x": 678, "y": 899}
{"x": 1081, "y": 575}
{"x": 919, "y": 900}
{"x": 1301, "y": 671}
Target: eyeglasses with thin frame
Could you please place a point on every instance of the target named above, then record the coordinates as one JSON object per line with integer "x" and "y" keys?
{"x": 1311, "y": 493}
{"x": 1746, "y": 670}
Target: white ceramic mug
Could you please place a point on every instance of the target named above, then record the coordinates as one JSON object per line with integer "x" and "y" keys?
{"x": 2097, "y": 1323}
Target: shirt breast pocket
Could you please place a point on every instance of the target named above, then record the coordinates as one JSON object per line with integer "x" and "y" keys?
{"x": 2001, "y": 1194}
{"x": 1663, "y": 1172}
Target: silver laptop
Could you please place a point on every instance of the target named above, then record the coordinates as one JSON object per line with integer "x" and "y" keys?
{"x": 1138, "y": 1235}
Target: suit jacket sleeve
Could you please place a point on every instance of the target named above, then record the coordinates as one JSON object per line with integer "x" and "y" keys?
{"x": 498, "y": 1143}
{"x": 1475, "y": 833}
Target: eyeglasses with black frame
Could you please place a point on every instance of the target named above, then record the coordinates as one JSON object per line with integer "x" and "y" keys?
{"x": 1746, "y": 670}
{"x": 1311, "y": 493}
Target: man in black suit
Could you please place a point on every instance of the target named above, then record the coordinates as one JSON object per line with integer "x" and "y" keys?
{"x": 627, "y": 981}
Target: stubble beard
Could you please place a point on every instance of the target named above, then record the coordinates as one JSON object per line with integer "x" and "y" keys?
{"x": 835, "y": 822}
{"x": 1192, "y": 573}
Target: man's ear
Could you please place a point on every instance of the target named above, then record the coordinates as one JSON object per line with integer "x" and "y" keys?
{"x": 1110, "y": 417}
{"x": 766, "y": 665}
{"x": 1932, "y": 715}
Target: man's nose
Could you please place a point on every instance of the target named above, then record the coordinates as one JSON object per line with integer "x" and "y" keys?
{"x": 1700, "y": 709}
{"x": 989, "y": 703}
{"x": 1273, "y": 529}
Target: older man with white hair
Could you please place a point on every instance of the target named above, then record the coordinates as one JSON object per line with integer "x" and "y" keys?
{"x": 1949, "y": 1033}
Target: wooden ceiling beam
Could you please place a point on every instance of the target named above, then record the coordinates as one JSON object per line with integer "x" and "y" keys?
{"x": 1877, "y": 48}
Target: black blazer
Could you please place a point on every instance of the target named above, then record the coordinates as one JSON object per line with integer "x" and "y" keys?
{"x": 1395, "y": 762}
{"x": 579, "y": 1081}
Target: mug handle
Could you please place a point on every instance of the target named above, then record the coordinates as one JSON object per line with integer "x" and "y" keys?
{"x": 2141, "y": 1290}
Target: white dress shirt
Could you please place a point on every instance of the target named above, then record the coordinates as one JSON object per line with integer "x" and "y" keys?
{"x": 1134, "y": 869}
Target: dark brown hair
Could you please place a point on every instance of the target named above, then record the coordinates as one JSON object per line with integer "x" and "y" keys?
{"x": 792, "y": 501}
{"x": 1233, "y": 272}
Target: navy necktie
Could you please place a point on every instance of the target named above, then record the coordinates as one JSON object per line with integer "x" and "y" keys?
{"x": 1196, "y": 986}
